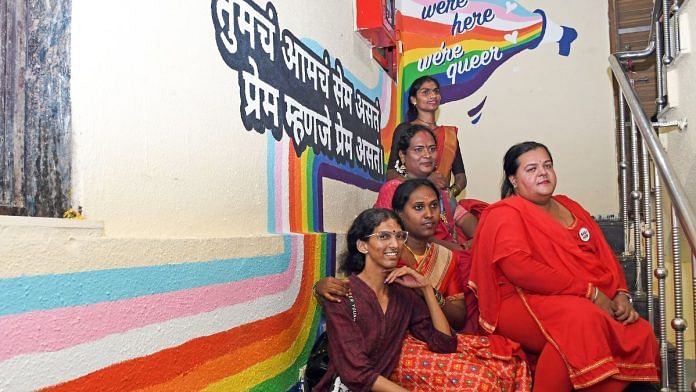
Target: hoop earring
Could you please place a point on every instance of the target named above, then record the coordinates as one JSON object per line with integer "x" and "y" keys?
{"x": 400, "y": 168}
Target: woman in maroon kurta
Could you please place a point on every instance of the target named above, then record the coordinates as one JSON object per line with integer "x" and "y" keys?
{"x": 545, "y": 277}
{"x": 365, "y": 340}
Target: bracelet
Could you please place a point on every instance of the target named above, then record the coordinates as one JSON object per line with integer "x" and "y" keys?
{"x": 596, "y": 294}
{"x": 455, "y": 189}
{"x": 439, "y": 297}
{"x": 627, "y": 295}
{"x": 314, "y": 290}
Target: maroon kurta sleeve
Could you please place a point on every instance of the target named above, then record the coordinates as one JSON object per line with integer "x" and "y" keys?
{"x": 421, "y": 326}
{"x": 347, "y": 351}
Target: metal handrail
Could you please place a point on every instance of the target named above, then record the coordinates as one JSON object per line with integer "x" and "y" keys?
{"x": 679, "y": 198}
{"x": 650, "y": 49}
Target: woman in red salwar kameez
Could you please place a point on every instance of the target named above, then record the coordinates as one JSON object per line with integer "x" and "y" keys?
{"x": 546, "y": 278}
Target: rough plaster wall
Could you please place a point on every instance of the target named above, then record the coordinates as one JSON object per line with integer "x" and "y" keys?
{"x": 563, "y": 102}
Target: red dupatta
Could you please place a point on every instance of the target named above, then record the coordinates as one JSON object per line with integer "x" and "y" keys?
{"x": 544, "y": 239}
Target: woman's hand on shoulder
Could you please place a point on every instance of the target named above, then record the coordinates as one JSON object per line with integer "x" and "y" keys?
{"x": 331, "y": 289}
{"x": 407, "y": 277}
{"x": 438, "y": 179}
{"x": 624, "y": 310}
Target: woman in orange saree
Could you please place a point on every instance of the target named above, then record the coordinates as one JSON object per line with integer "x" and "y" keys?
{"x": 490, "y": 363}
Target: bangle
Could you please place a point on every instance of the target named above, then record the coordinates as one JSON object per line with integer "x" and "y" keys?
{"x": 596, "y": 294}
{"x": 439, "y": 297}
{"x": 314, "y": 290}
{"x": 455, "y": 189}
{"x": 627, "y": 295}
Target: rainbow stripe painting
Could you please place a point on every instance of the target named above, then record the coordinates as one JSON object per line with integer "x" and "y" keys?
{"x": 143, "y": 328}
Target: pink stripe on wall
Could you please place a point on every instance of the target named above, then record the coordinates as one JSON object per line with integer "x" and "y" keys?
{"x": 57, "y": 329}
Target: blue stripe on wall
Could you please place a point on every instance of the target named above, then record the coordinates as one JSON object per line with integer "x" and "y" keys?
{"x": 31, "y": 293}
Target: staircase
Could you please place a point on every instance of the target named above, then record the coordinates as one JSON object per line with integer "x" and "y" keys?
{"x": 654, "y": 204}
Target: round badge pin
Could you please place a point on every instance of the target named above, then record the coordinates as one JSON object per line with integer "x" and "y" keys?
{"x": 584, "y": 234}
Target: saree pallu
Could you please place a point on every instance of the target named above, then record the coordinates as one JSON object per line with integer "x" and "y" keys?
{"x": 447, "y": 147}
{"x": 481, "y": 363}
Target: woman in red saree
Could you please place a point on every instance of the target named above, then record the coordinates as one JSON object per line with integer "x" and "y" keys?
{"x": 417, "y": 149}
{"x": 423, "y": 104}
{"x": 546, "y": 278}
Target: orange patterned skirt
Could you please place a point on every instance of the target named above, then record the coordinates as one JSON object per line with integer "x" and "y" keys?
{"x": 481, "y": 363}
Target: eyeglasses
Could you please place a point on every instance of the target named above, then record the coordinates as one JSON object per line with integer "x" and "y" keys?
{"x": 386, "y": 236}
{"x": 420, "y": 150}
{"x": 426, "y": 92}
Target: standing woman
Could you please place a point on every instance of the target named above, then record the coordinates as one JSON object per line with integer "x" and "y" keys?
{"x": 547, "y": 278}
{"x": 365, "y": 338}
{"x": 423, "y": 103}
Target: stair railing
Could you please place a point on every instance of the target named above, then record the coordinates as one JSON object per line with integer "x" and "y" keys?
{"x": 647, "y": 156}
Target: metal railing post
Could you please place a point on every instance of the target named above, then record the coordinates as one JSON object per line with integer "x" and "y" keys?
{"x": 623, "y": 169}
{"x": 678, "y": 322}
{"x": 661, "y": 100}
{"x": 636, "y": 196}
{"x": 661, "y": 273}
{"x": 675, "y": 27}
{"x": 647, "y": 230}
{"x": 665, "y": 33}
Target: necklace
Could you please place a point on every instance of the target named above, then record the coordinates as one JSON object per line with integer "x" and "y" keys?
{"x": 432, "y": 124}
{"x": 415, "y": 256}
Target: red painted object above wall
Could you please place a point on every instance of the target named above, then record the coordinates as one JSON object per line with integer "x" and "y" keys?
{"x": 374, "y": 20}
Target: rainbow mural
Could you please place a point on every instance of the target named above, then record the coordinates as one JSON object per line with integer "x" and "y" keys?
{"x": 246, "y": 323}
{"x": 463, "y": 45}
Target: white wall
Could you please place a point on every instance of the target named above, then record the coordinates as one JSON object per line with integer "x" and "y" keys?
{"x": 563, "y": 102}
{"x": 159, "y": 147}
{"x": 681, "y": 89}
